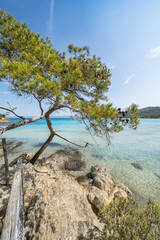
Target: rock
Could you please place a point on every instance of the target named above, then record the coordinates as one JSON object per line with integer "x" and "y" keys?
{"x": 97, "y": 198}
{"x": 105, "y": 189}
{"x": 84, "y": 181}
{"x": 59, "y": 206}
{"x": 157, "y": 175}
{"x": 137, "y": 166}
{"x": 56, "y": 204}
{"x": 67, "y": 160}
{"x": 102, "y": 178}
{"x": 5, "y": 120}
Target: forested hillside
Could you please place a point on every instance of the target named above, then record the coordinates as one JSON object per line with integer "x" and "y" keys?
{"x": 149, "y": 112}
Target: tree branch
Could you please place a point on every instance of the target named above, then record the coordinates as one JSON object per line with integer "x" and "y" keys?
{"x": 89, "y": 130}
{"x": 20, "y": 123}
{"x": 77, "y": 111}
{"x": 12, "y": 111}
{"x": 40, "y": 103}
{"x": 78, "y": 145}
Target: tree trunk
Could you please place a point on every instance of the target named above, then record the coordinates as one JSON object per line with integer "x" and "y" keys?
{"x": 52, "y": 133}
{"x": 36, "y": 156}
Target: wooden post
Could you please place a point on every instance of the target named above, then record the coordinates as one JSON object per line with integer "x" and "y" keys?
{"x": 5, "y": 160}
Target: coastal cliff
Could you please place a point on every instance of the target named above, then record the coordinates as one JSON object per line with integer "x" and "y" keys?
{"x": 60, "y": 206}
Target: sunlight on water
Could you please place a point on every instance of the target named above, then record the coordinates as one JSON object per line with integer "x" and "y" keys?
{"x": 141, "y": 146}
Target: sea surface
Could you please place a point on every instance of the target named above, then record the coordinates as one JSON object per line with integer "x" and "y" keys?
{"x": 140, "y": 146}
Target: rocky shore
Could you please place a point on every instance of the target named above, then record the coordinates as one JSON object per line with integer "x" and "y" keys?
{"x": 57, "y": 204}
{"x": 5, "y": 120}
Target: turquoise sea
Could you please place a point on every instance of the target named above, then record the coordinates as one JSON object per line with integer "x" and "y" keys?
{"x": 141, "y": 146}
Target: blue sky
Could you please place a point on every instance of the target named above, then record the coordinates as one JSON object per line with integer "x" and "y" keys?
{"x": 125, "y": 34}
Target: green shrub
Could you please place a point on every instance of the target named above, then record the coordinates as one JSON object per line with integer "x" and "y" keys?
{"x": 2, "y": 116}
{"x": 124, "y": 220}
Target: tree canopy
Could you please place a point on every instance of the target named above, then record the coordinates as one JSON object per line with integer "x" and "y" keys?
{"x": 79, "y": 82}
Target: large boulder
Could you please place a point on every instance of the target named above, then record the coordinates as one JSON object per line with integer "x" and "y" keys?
{"x": 59, "y": 206}
{"x": 104, "y": 188}
{"x": 56, "y": 205}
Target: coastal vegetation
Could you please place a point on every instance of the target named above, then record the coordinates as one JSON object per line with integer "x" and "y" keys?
{"x": 79, "y": 83}
{"x": 124, "y": 220}
{"x": 149, "y": 112}
{"x": 2, "y": 116}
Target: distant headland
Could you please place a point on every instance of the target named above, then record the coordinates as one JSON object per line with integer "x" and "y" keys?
{"x": 149, "y": 112}
{"x": 3, "y": 119}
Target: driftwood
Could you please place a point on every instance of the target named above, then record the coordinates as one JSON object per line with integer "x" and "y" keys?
{"x": 7, "y": 143}
{"x": 21, "y": 157}
{"x": 13, "y": 227}
{"x": 10, "y": 148}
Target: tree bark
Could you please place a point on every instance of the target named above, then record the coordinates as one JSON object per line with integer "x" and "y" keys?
{"x": 20, "y": 123}
{"x": 52, "y": 133}
{"x": 36, "y": 156}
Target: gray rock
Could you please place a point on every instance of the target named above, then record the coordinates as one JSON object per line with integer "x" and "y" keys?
{"x": 157, "y": 175}
{"x": 137, "y": 166}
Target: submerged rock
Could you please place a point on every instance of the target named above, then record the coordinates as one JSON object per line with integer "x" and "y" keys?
{"x": 65, "y": 160}
{"x": 157, "y": 175}
{"x": 137, "y": 166}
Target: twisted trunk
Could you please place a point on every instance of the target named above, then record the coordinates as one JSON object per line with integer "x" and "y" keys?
{"x": 36, "y": 156}
{"x": 44, "y": 146}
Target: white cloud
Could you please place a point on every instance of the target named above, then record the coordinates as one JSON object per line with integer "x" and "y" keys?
{"x": 50, "y": 23}
{"x": 128, "y": 79}
{"x": 154, "y": 52}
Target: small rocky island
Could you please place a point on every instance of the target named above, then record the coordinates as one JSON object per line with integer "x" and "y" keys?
{"x": 4, "y": 120}
{"x": 59, "y": 205}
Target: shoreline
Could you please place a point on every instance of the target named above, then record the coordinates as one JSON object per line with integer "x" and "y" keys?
{"x": 5, "y": 120}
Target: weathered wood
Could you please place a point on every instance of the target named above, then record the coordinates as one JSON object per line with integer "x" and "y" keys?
{"x": 13, "y": 227}
{"x": 10, "y": 148}
{"x": 5, "y": 160}
{"x": 21, "y": 157}
{"x": 7, "y": 143}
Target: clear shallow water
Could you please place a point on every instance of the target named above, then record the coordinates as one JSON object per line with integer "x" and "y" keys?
{"x": 141, "y": 146}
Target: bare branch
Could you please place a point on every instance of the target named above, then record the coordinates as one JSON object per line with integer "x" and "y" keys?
{"x": 20, "y": 123}
{"x": 12, "y": 111}
{"x": 89, "y": 130}
{"x": 78, "y": 145}
{"x": 40, "y": 103}
{"x": 77, "y": 111}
